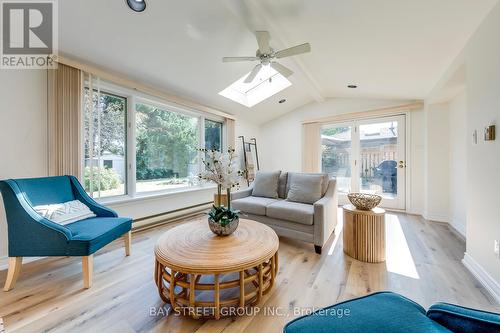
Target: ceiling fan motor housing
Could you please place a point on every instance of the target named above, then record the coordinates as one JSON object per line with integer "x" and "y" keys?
{"x": 265, "y": 58}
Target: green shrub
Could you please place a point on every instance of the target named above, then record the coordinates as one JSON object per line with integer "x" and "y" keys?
{"x": 155, "y": 173}
{"x": 109, "y": 179}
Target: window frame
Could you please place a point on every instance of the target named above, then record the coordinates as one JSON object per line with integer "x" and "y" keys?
{"x": 222, "y": 147}
{"x": 108, "y": 90}
{"x": 132, "y": 98}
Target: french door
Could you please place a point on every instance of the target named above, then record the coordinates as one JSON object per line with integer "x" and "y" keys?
{"x": 367, "y": 156}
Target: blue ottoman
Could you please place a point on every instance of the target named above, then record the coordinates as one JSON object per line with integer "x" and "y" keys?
{"x": 391, "y": 312}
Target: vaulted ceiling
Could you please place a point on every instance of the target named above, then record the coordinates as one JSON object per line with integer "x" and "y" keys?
{"x": 394, "y": 49}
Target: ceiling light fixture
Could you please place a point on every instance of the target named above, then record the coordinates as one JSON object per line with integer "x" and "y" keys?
{"x": 137, "y": 5}
{"x": 352, "y": 86}
{"x": 281, "y": 101}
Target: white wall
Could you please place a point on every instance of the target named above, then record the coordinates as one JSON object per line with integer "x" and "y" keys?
{"x": 282, "y": 138}
{"x": 482, "y": 60}
{"x": 417, "y": 163}
{"x": 458, "y": 162}
{"x": 23, "y": 130}
{"x": 23, "y": 145}
{"x": 437, "y": 162}
{"x": 248, "y": 130}
{"x": 481, "y": 105}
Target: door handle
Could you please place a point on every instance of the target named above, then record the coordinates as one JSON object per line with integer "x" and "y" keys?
{"x": 402, "y": 164}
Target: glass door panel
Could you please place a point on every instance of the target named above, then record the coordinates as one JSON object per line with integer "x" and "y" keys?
{"x": 374, "y": 151}
{"x": 382, "y": 159}
{"x": 378, "y": 160}
{"x": 336, "y": 150}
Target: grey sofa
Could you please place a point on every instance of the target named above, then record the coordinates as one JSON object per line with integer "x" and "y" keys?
{"x": 313, "y": 223}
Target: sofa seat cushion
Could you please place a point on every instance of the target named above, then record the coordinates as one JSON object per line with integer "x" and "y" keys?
{"x": 253, "y": 205}
{"x": 291, "y": 211}
{"x": 379, "y": 312}
{"x": 92, "y": 234}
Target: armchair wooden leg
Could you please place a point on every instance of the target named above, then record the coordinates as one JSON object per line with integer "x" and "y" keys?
{"x": 128, "y": 242}
{"x": 88, "y": 270}
{"x": 13, "y": 272}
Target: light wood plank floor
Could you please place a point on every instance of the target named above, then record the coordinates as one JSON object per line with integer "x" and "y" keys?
{"x": 423, "y": 263}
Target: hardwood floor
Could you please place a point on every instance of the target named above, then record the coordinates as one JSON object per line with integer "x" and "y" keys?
{"x": 423, "y": 263}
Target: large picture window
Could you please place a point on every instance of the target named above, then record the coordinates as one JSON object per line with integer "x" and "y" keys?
{"x": 134, "y": 144}
{"x": 166, "y": 149}
{"x": 105, "y": 136}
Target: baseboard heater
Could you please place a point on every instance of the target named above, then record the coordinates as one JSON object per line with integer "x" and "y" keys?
{"x": 152, "y": 221}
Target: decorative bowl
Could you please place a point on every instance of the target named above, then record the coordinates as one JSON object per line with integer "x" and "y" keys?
{"x": 221, "y": 230}
{"x": 364, "y": 201}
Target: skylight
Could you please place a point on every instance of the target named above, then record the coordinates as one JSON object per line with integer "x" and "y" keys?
{"x": 267, "y": 83}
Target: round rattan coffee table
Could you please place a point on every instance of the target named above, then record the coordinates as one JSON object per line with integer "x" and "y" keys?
{"x": 204, "y": 275}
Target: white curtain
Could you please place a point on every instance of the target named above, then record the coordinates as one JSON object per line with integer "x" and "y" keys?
{"x": 64, "y": 96}
{"x": 230, "y": 133}
{"x": 311, "y": 147}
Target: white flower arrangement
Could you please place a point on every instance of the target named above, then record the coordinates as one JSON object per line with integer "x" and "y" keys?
{"x": 221, "y": 168}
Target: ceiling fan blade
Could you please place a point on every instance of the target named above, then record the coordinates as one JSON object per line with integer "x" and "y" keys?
{"x": 263, "y": 41}
{"x": 294, "y": 50}
{"x": 285, "y": 71}
{"x": 235, "y": 59}
{"x": 253, "y": 73}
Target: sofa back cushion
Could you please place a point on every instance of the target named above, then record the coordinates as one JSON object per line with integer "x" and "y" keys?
{"x": 305, "y": 188}
{"x": 282, "y": 185}
{"x": 46, "y": 190}
{"x": 266, "y": 184}
{"x": 324, "y": 183}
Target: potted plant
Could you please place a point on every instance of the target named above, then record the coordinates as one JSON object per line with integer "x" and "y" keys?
{"x": 220, "y": 168}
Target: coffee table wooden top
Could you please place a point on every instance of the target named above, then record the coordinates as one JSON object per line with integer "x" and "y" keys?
{"x": 193, "y": 248}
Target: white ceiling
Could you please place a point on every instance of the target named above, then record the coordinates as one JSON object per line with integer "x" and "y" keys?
{"x": 394, "y": 49}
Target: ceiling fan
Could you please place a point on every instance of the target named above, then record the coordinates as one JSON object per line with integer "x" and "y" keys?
{"x": 266, "y": 55}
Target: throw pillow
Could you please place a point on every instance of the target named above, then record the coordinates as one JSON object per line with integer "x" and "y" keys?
{"x": 305, "y": 188}
{"x": 266, "y": 184}
{"x": 65, "y": 213}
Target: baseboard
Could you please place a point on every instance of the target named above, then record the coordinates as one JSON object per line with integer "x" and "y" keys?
{"x": 436, "y": 217}
{"x": 491, "y": 286}
{"x": 454, "y": 230}
{"x": 4, "y": 261}
{"x": 457, "y": 232}
{"x": 138, "y": 225}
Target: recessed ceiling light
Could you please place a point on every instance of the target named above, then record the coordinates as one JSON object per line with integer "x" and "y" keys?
{"x": 137, "y": 5}
{"x": 352, "y": 86}
{"x": 281, "y": 101}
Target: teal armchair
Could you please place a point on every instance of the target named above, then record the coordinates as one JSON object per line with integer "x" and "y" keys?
{"x": 391, "y": 312}
{"x": 31, "y": 235}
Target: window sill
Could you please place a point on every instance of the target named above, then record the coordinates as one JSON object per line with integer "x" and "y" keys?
{"x": 124, "y": 199}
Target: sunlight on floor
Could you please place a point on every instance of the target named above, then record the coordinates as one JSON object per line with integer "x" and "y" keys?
{"x": 398, "y": 256}
{"x": 337, "y": 231}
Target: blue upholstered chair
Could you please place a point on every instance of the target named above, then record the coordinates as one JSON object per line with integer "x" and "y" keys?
{"x": 31, "y": 235}
{"x": 390, "y": 312}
